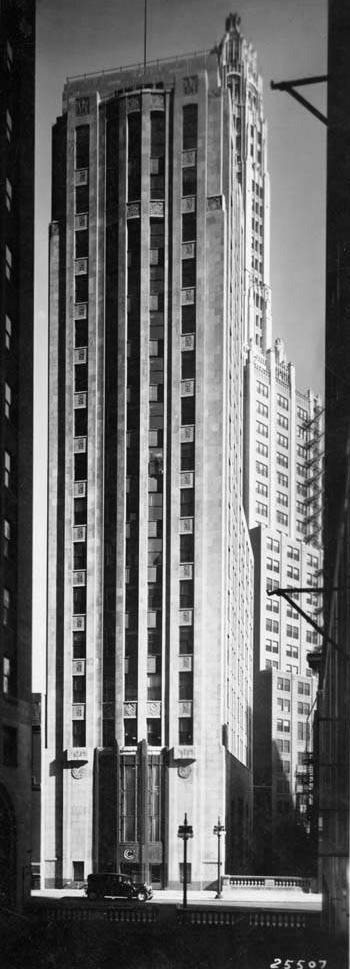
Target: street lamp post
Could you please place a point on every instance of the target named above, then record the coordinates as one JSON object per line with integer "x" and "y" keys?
{"x": 185, "y": 832}
{"x": 219, "y": 829}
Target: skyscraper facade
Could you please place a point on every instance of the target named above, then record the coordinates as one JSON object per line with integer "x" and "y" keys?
{"x": 17, "y": 77}
{"x": 150, "y": 568}
{"x": 283, "y": 493}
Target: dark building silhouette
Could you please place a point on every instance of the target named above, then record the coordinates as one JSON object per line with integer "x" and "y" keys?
{"x": 334, "y": 693}
{"x": 17, "y": 75}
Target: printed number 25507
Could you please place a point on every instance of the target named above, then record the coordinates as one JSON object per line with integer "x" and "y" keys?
{"x": 298, "y": 964}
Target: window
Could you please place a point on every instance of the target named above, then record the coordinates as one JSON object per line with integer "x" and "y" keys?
{"x": 282, "y": 460}
{"x": 262, "y": 388}
{"x": 8, "y": 263}
{"x": 186, "y": 594}
{"x": 282, "y": 499}
{"x": 189, "y": 181}
{"x": 157, "y": 134}
{"x": 78, "y": 733}
{"x": 188, "y": 227}
{"x": 304, "y": 709}
{"x": 273, "y": 544}
{"x": 8, "y": 190}
{"x": 185, "y": 730}
{"x": 187, "y": 410}
{"x": 9, "y": 56}
{"x": 82, "y": 146}
{"x": 301, "y": 508}
{"x": 9, "y": 748}
{"x": 262, "y": 429}
{"x": 154, "y": 732}
{"x": 282, "y": 440}
{"x": 7, "y": 469}
{"x": 78, "y": 689}
{"x": 79, "y": 644}
{"x": 283, "y": 704}
{"x": 262, "y": 469}
{"x": 189, "y": 127}
{"x": 185, "y": 640}
{"x": 6, "y": 607}
{"x": 9, "y": 125}
{"x": 282, "y": 479}
{"x": 304, "y": 689}
{"x": 188, "y": 318}
{"x": 79, "y": 601}
{"x": 293, "y": 572}
{"x": 262, "y": 449}
{"x": 80, "y": 511}
{"x": 187, "y": 456}
{"x": 7, "y": 400}
{"x": 303, "y": 730}
{"x": 283, "y": 684}
{"x": 6, "y": 673}
{"x": 282, "y": 401}
{"x": 283, "y": 726}
{"x": 261, "y": 509}
{"x": 7, "y": 537}
{"x": 261, "y": 488}
{"x": 185, "y": 686}
{"x": 187, "y": 502}
{"x": 188, "y": 272}
{"x": 78, "y": 871}
{"x": 81, "y": 289}
{"x": 272, "y": 646}
{"x": 282, "y": 421}
{"x": 292, "y": 553}
{"x": 262, "y": 408}
{"x": 80, "y": 378}
{"x": 8, "y": 332}
{"x": 272, "y": 625}
{"x": 282, "y": 518}
{"x": 293, "y": 632}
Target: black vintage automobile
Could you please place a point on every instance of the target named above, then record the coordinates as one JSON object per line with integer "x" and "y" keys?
{"x": 111, "y": 885}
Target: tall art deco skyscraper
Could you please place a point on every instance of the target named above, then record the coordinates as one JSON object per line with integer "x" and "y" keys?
{"x": 150, "y": 569}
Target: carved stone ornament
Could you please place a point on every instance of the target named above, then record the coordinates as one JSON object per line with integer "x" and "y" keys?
{"x": 157, "y": 208}
{"x": 82, "y": 106}
{"x": 157, "y": 102}
{"x": 214, "y": 202}
{"x": 129, "y": 709}
{"x": 78, "y": 772}
{"x": 153, "y": 708}
{"x": 133, "y": 210}
{"x": 133, "y": 104}
{"x": 184, "y": 771}
{"x": 190, "y": 84}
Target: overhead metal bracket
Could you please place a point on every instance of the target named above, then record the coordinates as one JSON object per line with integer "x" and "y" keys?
{"x": 289, "y": 87}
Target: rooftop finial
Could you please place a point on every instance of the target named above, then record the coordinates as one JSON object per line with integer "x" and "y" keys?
{"x": 233, "y": 22}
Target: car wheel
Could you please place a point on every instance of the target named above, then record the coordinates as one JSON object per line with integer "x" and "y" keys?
{"x": 141, "y": 895}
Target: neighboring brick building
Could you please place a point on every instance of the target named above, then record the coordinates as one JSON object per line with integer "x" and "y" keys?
{"x": 283, "y": 498}
{"x": 17, "y": 76}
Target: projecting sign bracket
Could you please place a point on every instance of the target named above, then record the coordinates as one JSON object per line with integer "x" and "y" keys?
{"x": 289, "y": 87}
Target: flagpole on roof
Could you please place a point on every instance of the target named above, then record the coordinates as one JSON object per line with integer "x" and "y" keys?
{"x": 145, "y": 38}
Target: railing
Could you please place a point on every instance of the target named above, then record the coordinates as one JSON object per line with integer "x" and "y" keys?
{"x": 265, "y": 881}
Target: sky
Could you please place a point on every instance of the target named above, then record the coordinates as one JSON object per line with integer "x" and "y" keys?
{"x": 290, "y": 38}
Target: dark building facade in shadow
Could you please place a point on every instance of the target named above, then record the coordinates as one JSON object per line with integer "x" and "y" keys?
{"x": 334, "y": 694}
{"x": 17, "y": 76}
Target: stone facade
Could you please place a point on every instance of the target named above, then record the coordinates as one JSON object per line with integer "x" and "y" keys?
{"x": 150, "y": 563}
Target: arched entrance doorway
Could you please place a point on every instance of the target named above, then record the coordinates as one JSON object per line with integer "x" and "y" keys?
{"x": 7, "y": 850}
